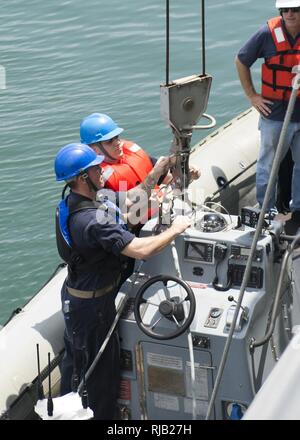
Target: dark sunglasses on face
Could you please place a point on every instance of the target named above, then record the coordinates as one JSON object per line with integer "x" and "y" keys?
{"x": 98, "y": 169}
{"x": 110, "y": 141}
{"x": 290, "y": 9}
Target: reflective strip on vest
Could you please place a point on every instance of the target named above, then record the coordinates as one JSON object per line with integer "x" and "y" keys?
{"x": 107, "y": 173}
{"x": 134, "y": 148}
{"x": 279, "y": 35}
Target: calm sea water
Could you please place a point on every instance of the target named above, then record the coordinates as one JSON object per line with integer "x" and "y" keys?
{"x": 66, "y": 59}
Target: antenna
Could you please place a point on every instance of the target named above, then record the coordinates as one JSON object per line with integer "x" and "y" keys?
{"x": 40, "y": 389}
{"x": 50, "y": 401}
{"x": 75, "y": 377}
{"x": 84, "y": 394}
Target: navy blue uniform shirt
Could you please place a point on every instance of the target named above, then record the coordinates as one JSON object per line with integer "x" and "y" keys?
{"x": 261, "y": 45}
{"x": 95, "y": 233}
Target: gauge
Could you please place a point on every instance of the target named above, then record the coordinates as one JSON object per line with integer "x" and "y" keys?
{"x": 215, "y": 313}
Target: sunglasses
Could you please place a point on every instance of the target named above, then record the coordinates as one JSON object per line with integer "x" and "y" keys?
{"x": 110, "y": 141}
{"x": 290, "y": 9}
{"x": 98, "y": 169}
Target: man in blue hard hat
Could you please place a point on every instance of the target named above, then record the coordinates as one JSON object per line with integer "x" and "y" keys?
{"x": 126, "y": 164}
{"x": 278, "y": 43}
{"x": 125, "y": 161}
{"x": 94, "y": 240}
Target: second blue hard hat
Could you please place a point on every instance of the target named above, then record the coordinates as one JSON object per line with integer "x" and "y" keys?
{"x": 74, "y": 159}
{"x": 98, "y": 127}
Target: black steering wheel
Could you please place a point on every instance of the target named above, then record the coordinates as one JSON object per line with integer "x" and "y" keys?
{"x": 172, "y": 308}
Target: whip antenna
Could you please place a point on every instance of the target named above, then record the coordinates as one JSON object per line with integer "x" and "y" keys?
{"x": 84, "y": 394}
{"x": 41, "y": 394}
{"x": 75, "y": 377}
{"x": 50, "y": 401}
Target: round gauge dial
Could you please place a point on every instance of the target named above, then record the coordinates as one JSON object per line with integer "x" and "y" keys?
{"x": 215, "y": 313}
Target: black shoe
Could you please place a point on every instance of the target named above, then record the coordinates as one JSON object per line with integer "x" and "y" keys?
{"x": 291, "y": 226}
{"x": 296, "y": 216}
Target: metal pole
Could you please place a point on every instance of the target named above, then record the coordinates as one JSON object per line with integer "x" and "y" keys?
{"x": 288, "y": 252}
{"x": 203, "y": 35}
{"x": 272, "y": 180}
{"x": 167, "y": 41}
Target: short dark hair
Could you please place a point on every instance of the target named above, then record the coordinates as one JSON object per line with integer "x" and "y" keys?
{"x": 72, "y": 182}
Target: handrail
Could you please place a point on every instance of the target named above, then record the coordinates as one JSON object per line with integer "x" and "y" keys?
{"x": 253, "y": 343}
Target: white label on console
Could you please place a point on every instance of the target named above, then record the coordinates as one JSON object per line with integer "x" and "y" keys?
{"x": 161, "y": 360}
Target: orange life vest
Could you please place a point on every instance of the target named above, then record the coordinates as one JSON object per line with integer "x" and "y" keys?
{"x": 132, "y": 168}
{"x": 276, "y": 72}
{"x": 130, "y": 171}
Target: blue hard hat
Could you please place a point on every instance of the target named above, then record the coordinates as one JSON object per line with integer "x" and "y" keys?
{"x": 98, "y": 127}
{"x": 73, "y": 159}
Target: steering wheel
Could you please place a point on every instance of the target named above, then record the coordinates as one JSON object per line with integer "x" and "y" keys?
{"x": 171, "y": 308}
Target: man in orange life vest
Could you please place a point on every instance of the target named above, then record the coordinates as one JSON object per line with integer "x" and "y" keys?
{"x": 124, "y": 160}
{"x": 278, "y": 42}
{"x": 126, "y": 165}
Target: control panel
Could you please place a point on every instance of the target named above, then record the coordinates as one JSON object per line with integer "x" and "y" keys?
{"x": 205, "y": 251}
{"x": 237, "y": 273}
{"x": 211, "y": 262}
{"x": 233, "y": 257}
{"x": 242, "y": 253}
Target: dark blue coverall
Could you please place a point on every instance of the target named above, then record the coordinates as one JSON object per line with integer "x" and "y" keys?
{"x": 88, "y": 320}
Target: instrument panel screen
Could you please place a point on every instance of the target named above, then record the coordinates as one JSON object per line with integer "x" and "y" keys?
{"x": 199, "y": 251}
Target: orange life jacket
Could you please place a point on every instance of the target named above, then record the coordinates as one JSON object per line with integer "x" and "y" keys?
{"x": 130, "y": 171}
{"x": 276, "y": 72}
{"x": 132, "y": 168}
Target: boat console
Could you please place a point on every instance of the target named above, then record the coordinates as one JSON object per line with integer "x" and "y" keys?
{"x": 191, "y": 290}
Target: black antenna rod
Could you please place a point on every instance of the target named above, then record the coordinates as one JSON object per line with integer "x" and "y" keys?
{"x": 167, "y": 40}
{"x": 203, "y": 36}
{"x": 84, "y": 394}
{"x": 40, "y": 389}
{"x": 50, "y": 401}
{"x": 75, "y": 377}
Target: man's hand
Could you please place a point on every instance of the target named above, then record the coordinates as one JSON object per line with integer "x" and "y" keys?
{"x": 181, "y": 223}
{"x": 261, "y": 104}
{"x": 162, "y": 166}
{"x": 195, "y": 173}
{"x": 165, "y": 163}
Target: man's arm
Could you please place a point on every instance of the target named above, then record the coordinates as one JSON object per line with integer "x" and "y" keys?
{"x": 257, "y": 101}
{"x": 138, "y": 197}
{"x": 161, "y": 167}
{"x": 134, "y": 202}
{"x": 145, "y": 247}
